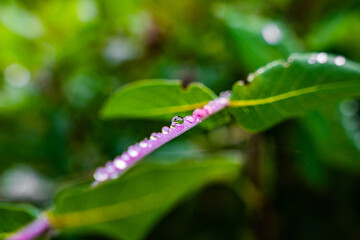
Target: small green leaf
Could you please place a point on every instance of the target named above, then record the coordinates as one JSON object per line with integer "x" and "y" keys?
{"x": 14, "y": 217}
{"x": 128, "y": 207}
{"x": 160, "y": 100}
{"x": 285, "y": 89}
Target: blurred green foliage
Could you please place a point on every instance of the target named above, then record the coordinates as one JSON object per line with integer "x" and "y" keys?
{"x": 60, "y": 61}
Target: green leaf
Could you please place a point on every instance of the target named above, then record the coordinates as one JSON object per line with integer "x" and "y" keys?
{"x": 285, "y": 89}
{"x": 257, "y": 40}
{"x": 14, "y": 217}
{"x": 128, "y": 207}
{"x": 160, "y": 100}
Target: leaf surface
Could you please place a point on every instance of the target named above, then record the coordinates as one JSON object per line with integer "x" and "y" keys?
{"x": 160, "y": 100}
{"x": 14, "y": 217}
{"x": 285, "y": 89}
{"x": 128, "y": 207}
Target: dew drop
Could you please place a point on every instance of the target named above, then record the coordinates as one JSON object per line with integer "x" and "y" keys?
{"x": 271, "y": 33}
{"x": 339, "y": 60}
{"x": 190, "y": 119}
{"x": 119, "y": 164}
{"x": 250, "y": 77}
{"x": 133, "y": 151}
{"x": 110, "y": 168}
{"x": 101, "y": 174}
{"x": 154, "y": 136}
{"x": 165, "y": 130}
{"x": 143, "y": 144}
{"x": 321, "y": 57}
{"x": 176, "y": 121}
{"x": 199, "y": 112}
{"x": 349, "y": 107}
{"x": 208, "y": 109}
{"x": 241, "y": 82}
{"x": 225, "y": 94}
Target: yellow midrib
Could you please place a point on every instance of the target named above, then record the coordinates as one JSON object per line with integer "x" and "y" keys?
{"x": 107, "y": 213}
{"x": 295, "y": 93}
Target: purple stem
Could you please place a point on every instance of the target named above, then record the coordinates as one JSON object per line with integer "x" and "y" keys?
{"x": 32, "y": 230}
{"x": 134, "y": 153}
{"x": 138, "y": 151}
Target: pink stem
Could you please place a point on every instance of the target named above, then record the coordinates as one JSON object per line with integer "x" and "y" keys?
{"x": 138, "y": 151}
{"x": 32, "y": 230}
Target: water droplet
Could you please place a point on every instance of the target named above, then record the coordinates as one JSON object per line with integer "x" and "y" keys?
{"x": 250, "y": 77}
{"x": 154, "y": 136}
{"x": 225, "y": 94}
{"x": 144, "y": 144}
{"x": 260, "y": 70}
{"x": 286, "y": 64}
{"x": 321, "y": 57}
{"x": 120, "y": 164}
{"x": 110, "y": 168}
{"x": 241, "y": 82}
{"x": 357, "y": 140}
{"x": 133, "y": 151}
{"x": 165, "y": 130}
{"x": 176, "y": 121}
{"x": 199, "y": 112}
{"x": 190, "y": 119}
{"x": 349, "y": 107}
{"x": 339, "y": 60}
{"x": 208, "y": 109}
{"x": 271, "y": 33}
{"x": 101, "y": 174}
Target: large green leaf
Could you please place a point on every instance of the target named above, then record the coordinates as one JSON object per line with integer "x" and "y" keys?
{"x": 159, "y": 99}
{"x": 129, "y": 206}
{"x": 285, "y": 89}
{"x": 14, "y": 217}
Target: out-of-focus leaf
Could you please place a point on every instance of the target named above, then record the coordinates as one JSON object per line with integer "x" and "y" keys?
{"x": 332, "y": 134}
{"x": 128, "y": 207}
{"x": 159, "y": 99}
{"x": 340, "y": 32}
{"x": 14, "y": 217}
{"x": 258, "y": 40}
{"x": 285, "y": 89}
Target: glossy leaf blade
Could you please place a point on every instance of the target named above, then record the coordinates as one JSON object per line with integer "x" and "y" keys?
{"x": 156, "y": 99}
{"x": 284, "y": 89}
{"x": 128, "y": 207}
{"x": 160, "y": 100}
{"x": 15, "y": 216}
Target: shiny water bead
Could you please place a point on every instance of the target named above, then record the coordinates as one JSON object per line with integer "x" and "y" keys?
{"x": 101, "y": 174}
{"x": 177, "y": 119}
{"x": 339, "y": 60}
{"x": 120, "y": 164}
{"x": 165, "y": 130}
{"x": 133, "y": 151}
{"x": 250, "y": 77}
{"x": 227, "y": 94}
{"x": 208, "y": 109}
{"x": 110, "y": 168}
{"x": 154, "y": 136}
{"x": 321, "y": 57}
{"x": 199, "y": 112}
{"x": 144, "y": 143}
{"x": 190, "y": 119}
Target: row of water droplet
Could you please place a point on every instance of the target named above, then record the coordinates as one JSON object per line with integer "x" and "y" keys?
{"x": 324, "y": 58}
{"x": 178, "y": 125}
{"x": 320, "y": 58}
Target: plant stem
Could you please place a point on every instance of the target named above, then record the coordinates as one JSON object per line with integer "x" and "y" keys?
{"x": 32, "y": 230}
